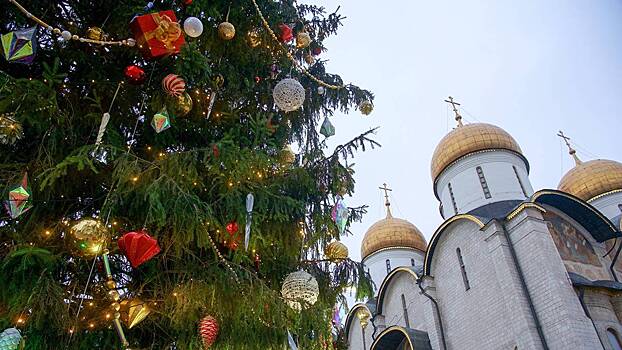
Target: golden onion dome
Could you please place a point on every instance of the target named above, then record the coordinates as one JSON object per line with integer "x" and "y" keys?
{"x": 467, "y": 139}
{"x": 392, "y": 232}
{"x": 590, "y": 179}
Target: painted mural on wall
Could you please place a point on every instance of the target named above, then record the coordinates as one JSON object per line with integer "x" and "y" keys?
{"x": 571, "y": 244}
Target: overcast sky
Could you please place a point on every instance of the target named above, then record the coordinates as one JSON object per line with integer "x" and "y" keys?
{"x": 531, "y": 67}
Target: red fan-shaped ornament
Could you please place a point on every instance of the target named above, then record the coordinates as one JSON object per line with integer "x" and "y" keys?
{"x": 174, "y": 85}
{"x": 286, "y": 33}
{"x": 208, "y": 330}
{"x": 138, "y": 247}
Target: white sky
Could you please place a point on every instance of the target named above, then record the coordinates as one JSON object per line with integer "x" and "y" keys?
{"x": 531, "y": 67}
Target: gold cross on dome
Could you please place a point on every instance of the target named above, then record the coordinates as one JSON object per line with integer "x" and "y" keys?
{"x": 453, "y": 105}
{"x": 571, "y": 150}
{"x": 386, "y": 197}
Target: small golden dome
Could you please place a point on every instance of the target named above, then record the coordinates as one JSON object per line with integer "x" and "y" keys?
{"x": 392, "y": 232}
{"x": 466, "y": 139}
{"x": 592, "y": 178}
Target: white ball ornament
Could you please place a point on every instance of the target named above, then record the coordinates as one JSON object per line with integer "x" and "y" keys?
{"x": 320, "y": 90}
{"x": 193, "y": 27}
{"x": 66, "y": 35}
{"x": 288, "y": 94}
{"x": 300, "y": 289}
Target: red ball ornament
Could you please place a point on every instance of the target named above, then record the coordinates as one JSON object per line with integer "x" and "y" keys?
{"x": 187, "y": 2}
{"x": 232, "y": 227}
{"x": 317, "y": 51}
{"x": 138, "y": 247}
{"x": 174, "y": 85}
{"x": 208, "y": 330}
{"x": 215, "y": 150}
{"x": 135, "y": 74}
{"x": 286, "y": 33}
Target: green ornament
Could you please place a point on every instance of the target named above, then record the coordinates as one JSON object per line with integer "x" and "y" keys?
{"x": 327, "y": 128}
{"x": 10, "y": 339}
{"x": 161, "y": 121}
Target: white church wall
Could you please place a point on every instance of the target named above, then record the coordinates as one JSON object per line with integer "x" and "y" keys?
{"x": 602, "y": 312}
{"x": 356, "y": 334}
{"x": 475, "y": 318}
{"x": 404, "y": 284}
{"x": 377, "y": 262}
{"x": 498, "y": 170}
{"x": 608, "y": 204}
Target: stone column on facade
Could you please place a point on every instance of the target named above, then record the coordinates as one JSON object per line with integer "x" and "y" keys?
{"x": 430, "y": 313}
{"x": 616, "y": 301}
{"x": 563, "y": 321}
{"x": 602, "y": 312}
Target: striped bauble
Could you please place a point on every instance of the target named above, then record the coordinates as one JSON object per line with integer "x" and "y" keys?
{"x": 174, "y": 85}
{"x": 208, "y": 330}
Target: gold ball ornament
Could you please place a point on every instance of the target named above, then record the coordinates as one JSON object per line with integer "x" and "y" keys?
{"x": 180, "y": 105}
{"x": 95, "y": 33}
{"x": 303, "y": 39}
{"x": 366, "y": 107}
{"x": 253, "y": 38}
{"x": 336, "y": 251}
{"x": 226, "y": 31}
{"x": 218, "y": 80}
{"x": 89, "y": 237}
{"x": 287, "y": 155}
{"x": 10, "y": 130}
{"x": 309, "y": 59}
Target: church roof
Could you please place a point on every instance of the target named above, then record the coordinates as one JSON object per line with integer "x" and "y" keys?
{"x": 468, "y": 139}
{"x": 392, "y": 232}
{"x": 588, "y": 180}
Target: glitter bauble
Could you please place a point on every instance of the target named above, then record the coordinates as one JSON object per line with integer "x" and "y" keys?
{"x": 253, "y": 38}
{"x": 193, "y": 27}
{"x": 180, "y": 105}
{"x": 10, "y": 339}
{"x": 300, "y": 289}
{"x": 303, "y": 39}
{"x": 289, "y": 94}
{"x": 95, "y": 33}
{"x": 226, "y": 31}
{"x": 366, "y": 107}
{"x": 89, "y": 237}
{"x": 135, "y": 74}
{"x": 336, "y": 251}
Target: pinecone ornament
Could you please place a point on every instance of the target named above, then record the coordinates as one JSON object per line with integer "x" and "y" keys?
{"x": 10, "y": 339}
{"x": 208, "y": 330}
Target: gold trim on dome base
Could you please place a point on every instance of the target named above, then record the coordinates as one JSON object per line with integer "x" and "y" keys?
{"x": 603, "y": 195}
{"x": 592, "y": 178}
{"x": 468, "y": 139}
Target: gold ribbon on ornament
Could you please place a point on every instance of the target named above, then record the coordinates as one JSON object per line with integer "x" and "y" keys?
{"x": 166, "y": 32}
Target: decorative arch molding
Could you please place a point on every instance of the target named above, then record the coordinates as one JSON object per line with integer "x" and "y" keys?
{"x": 392, "y": 337}
{"x": 599, "y": 226}
{"x": 437, "y": 236}
{"x": 387, "y": 281}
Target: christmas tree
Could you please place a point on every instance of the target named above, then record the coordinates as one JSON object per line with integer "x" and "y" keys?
{"x": 152, "y": 197}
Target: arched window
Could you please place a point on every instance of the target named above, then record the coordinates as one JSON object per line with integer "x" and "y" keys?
{"x": 520, "y": 182}
{"x": 465, "y": 278}
{"x": 613, "y": 339}
{"x": 482, "y": 181}
{"x": 453, "y": 199}
{"x": 388, "y": 265}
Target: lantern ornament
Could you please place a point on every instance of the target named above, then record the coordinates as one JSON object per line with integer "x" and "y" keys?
{"x": 10, "y": 339}
{"x": 289, "y": 95}
{"x": 300, "y": 289}
{"x": 134, "y": 311}
{"x": 336, "y": 251}
{"x": 138, "y": 247}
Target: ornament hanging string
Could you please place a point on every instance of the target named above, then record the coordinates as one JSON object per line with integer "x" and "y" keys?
{"x": 127, "y": 42}
{"x": 140, "y": 110}
{"x": 289, "y": 55}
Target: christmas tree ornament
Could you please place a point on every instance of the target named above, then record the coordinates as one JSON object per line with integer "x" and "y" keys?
{"x": 20, "y": 46}
{"x": 317, "y": 51}
{"x": 364, "y": 316}
{"x": 66, "y": 35}
{"x": 180, "y": 105}
{"x": 173, "y": 85}
{"x": 287, "y": 155}
{"x": 10, "y": 129}
{"x": 366, "y": 107}
{"x": 286, "y": 34}
{"x": 19, "y": 200}
{"x": 327, "y": 128}
{"x": 289, "y": 95}
{"x": 274, "y": 71}
{"x": 208, "y": 331}
{"x": 135, "y": 74}
{"x": 340, "y": 214}
{"x": 336, "y": 251}
{"x": 138, "y": 247}
{"x": 102, "y": 127}
{"x": 226, "y": 31}
{"x": 96, "y": 33}
{"x": 300, "y": 289}
{"x": 250, "y": 202}
{"x": 232, "y": 227}
{"x": 88, "y": 236}
{"x": 161, "y": 121}
{"x": 309, "y": 59}
{"x": 253, "y": 37}
{"x": 158, "y": 34}
{"x": 193, "y": 27}
{"x": 10, "y": 339}
{"x": 218, "y": 80}
{"x": 291, "y": 342}
{"x": 187, "y": 2}
{"x": 321, "y": 90}
{"x": 303, "y": 40}
{"x": 134, "y": 311}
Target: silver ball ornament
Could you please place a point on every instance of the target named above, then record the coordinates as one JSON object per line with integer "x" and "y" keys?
{"x": 320, "y": 90}
{"x": 289, "y": 95}
{"x": 66, "y": 35}
{"x": 193, "y": 27}
{"x": 300, "y": 289}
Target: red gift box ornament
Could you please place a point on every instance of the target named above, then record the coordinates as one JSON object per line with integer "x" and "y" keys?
{"x": 138, "y": 247}
{"x": 158, "y": 34}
